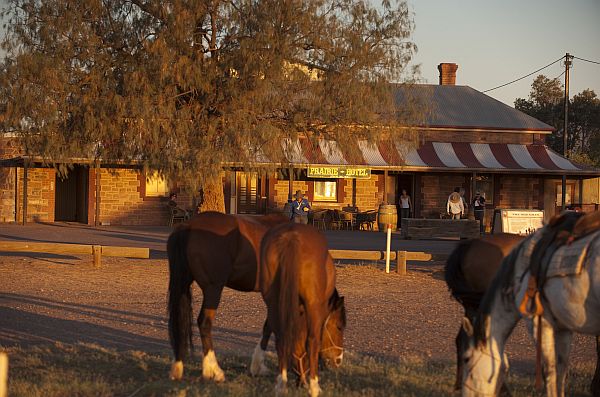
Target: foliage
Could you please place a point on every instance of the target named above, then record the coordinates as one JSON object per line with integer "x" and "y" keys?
{"x": 90, "y": 370}
{"x": 546, "y": 103}
{"x": 185, "y": 86}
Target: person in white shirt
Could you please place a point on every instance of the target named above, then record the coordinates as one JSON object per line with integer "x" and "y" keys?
{"x": 405, "y": 205}
{"x": 455, "y": 207}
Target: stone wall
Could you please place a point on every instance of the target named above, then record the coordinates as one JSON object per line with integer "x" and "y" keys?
{"x": 40, "y": 194}
{"x": 435, "y": 189}
{"x": 123, "y": 201}
{"x": 8, "y": 149}
{"x": 368, "y": 193}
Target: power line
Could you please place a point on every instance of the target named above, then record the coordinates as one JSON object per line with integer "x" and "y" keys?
{"x": 521, "y": 78}
{"x": 587, "y": 60}
{"x": 559, "y": 76}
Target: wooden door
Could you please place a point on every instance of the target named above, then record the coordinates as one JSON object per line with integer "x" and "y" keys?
{"x": 71, "y": 199}
{"x": 247, "y": 193}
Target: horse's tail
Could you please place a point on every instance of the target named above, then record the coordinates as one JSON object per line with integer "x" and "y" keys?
{"x": 455, "y": 278}
{"x": 289, "y": 298}
{"x": 180, "y": 294}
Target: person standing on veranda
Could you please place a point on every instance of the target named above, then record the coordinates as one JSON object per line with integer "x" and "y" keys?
{"x": 455, "y": 207}
{"x": 405, "y": 206}
{"x": 479, "y": 210}
{"x": 300, "y": 208}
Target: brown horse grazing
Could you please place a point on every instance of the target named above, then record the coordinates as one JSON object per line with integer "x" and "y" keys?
{"x": 469, "y": 271}
{"x": 215, "y": 250}
{"x": 296, "y": 271}
{"x": 332, "y": 350}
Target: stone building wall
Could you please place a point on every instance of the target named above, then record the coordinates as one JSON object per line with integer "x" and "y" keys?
{"x": 40, "y": 194}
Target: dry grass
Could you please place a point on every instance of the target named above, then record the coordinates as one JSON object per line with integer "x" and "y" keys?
{"x": 90, "y": 370}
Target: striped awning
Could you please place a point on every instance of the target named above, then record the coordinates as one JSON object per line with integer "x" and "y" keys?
{"x": 439, "y": 156}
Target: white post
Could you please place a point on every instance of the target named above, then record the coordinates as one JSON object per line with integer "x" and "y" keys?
{"x": 387, "y": 249}
{"x": 3, "y": 374}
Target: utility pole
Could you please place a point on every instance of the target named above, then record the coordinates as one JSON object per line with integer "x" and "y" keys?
{"x": 568, "y": 58}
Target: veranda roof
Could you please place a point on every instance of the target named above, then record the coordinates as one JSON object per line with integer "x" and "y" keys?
{"x": 437, "y": 156}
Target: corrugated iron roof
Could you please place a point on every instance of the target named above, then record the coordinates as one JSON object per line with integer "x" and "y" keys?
{"x": 455, "y": 106}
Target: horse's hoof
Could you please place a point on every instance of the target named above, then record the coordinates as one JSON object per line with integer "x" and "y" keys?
{"x": 211, "y": 369}
{"x": 280, "y": 390}
{"x": 214, "y": 374}
{"x": 314, "y": 389}
{"x": 281, "y": 385}
{"x": 257, "y": 366}
{"x": 176, "y": 370}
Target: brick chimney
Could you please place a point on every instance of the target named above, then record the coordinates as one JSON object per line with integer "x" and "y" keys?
{"x": 447, "y": 73}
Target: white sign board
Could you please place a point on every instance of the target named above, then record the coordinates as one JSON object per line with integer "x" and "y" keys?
{"x": 518, "y": 221}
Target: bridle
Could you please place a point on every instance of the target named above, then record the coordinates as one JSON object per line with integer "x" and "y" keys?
{"x": 301, "y": 372}
{"x": 330, "y": 338}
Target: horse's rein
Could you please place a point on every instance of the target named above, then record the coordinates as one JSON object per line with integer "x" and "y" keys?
{"x": 333, "y": 345}
{"x": 301, "y": 371}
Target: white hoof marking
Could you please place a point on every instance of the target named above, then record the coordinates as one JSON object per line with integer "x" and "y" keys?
{"x": 314, "y": 388}
{"x": 211, "y": 369}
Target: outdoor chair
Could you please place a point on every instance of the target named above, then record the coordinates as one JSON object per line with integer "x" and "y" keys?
{"x": 346, "y": 220}
{"x": 367, "y": 220}
{"x": 336, "y": 221}
{"x": 318, "y": 219}
{"x": 176, "y": 214}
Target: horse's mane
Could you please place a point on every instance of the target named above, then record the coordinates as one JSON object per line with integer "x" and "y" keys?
{"x": 455, "y": 278}
{"x": 498, "y": 289}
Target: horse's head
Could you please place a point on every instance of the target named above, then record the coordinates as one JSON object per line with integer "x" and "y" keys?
{"x": 332, "y": 349}
{"x": 483, "y": 361}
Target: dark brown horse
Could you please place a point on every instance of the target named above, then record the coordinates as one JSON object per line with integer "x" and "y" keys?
{"x": 297, "y": 282}
{"x": 215, "y": 250}
{"x": 469, "y": 271}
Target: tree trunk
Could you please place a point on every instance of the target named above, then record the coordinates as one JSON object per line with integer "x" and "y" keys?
{"x": 213, "y": 196}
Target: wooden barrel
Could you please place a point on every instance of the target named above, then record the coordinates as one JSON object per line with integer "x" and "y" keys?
{"x": 387, "y": 215}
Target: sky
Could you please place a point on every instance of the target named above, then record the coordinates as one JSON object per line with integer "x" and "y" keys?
{"x": 495, "y": 42}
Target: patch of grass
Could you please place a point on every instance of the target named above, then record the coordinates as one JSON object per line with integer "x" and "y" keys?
{"x": 90, "y": 370}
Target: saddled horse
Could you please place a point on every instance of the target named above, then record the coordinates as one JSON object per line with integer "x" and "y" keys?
{"x": 297, "y": 282}
{"x": 563, "y": 299}
{"x": 215, "y": 250}
{"x": 469, "y": 271}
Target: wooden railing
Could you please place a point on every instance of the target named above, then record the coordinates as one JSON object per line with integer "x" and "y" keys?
{"x": 399, "y": 256}
{"x": 75, "y": 249}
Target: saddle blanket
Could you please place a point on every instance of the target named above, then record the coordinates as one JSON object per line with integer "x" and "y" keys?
{"x": 568, "y": 260}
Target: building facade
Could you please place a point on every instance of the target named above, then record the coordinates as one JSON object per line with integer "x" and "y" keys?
{"x": 470, "y": 140}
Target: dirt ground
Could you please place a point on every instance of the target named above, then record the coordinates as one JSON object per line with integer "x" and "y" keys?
{"x": 50, "y": 298}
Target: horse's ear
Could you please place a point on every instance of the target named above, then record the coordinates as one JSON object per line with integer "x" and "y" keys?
{"x": 467, "y": 326}
{"x": 339, "y": 302}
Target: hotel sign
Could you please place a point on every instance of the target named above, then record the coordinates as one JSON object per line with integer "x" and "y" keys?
{"x": 338, "y": 172}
